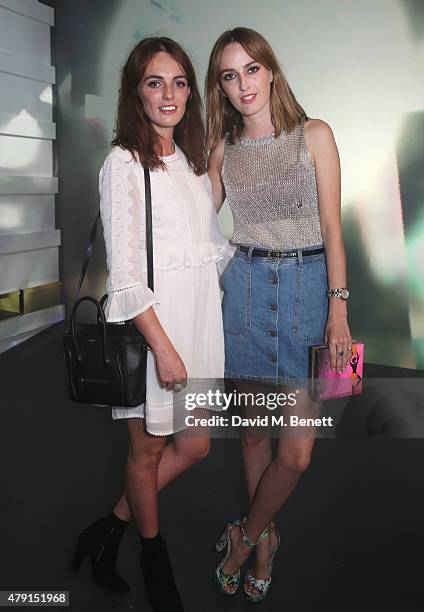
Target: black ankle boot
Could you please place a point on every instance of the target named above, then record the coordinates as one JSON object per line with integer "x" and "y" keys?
{"x": 158, "y": 576}
{"x": 100, "y": 541}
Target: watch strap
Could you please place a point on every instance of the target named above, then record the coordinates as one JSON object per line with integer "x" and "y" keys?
{"x": 339, "y": 292}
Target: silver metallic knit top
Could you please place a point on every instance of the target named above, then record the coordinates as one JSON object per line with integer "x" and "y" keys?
{"x": 271, "y": 188}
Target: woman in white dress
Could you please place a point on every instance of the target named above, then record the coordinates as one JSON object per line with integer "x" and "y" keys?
{"x": 159, "y": 124}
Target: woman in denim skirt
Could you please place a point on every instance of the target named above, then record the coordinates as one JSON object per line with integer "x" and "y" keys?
{"x": 285, "y": 288}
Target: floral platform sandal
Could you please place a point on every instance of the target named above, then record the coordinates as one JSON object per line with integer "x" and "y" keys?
{"x": 261, "y": 585}
{"x": 228, "y": 584}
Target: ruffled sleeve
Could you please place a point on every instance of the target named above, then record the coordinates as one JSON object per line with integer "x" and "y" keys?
{"x": 123, "y": 216}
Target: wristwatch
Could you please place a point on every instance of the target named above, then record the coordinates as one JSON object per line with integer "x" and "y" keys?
{"x": 342, "y": 293}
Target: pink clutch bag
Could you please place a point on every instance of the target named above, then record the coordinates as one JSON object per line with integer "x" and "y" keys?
{"x": 326, "y": 384}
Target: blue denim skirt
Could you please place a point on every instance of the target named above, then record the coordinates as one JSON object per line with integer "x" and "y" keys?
{"x": 274, "y": 310}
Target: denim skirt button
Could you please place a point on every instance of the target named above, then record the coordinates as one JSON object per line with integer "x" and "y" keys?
{"x": 272, "y": 333}
{"x": 272, "y": 307}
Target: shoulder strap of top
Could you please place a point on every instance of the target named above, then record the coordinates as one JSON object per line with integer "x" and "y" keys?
{"x": 300, "y": 137}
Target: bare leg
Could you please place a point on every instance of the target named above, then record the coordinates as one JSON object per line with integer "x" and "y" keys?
{"x": 277, "y": 483}
{"x": 176, "y": 458}
{"x": 142, "y": 475}
{"x": 142, "y": 484}
{"x": 122, "y": 509}
{"x": 256, "y": 449}
{"x": 257, "y": 457}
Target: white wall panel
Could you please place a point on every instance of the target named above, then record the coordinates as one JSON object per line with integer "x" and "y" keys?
{"x": 29, "y": 269}
{"x": 19, "y": 94}
{"x": 34, "y": 320}
{"x": 25, "y": 156}
{"x": 28, "y": 184}
{"x": 32, "y": 70}
{"x": 24, "y": 125}
{"x": 28, "y": 241}
{"x": 30, "y": 8}
{"x": 23, "y": 37}
{"x": 26, "y": 213}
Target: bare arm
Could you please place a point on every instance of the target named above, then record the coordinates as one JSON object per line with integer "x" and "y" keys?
{"x": 168, "y": 362}
{"x": 216, "y": 158}
{"x": 321, "y": 144}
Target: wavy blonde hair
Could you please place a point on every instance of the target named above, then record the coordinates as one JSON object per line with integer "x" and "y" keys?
{"x": 222, "y": 117}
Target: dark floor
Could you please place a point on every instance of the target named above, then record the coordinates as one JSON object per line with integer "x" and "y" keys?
{"x": 352, "y": 534}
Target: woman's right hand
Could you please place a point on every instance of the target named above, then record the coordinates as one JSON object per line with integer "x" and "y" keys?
{"x": 170, "y": 368}
{"x": 169, "y": 365}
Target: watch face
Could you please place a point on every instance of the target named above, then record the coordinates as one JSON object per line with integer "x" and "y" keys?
{"x": 345, "y": 294}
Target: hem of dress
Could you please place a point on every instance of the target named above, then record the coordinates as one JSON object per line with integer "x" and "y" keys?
{"x": 285, "y": 380}
{"x": 183, "y": 428}
{"x": 155, "y": 433}
{"x": 125, "y": 418}
{"x": 160, "y": 435}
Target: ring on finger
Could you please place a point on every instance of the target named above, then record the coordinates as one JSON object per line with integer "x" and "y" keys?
{"x": 340, "y": 353}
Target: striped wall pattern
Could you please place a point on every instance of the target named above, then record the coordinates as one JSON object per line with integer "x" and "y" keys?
{"x": 29, "y": 241}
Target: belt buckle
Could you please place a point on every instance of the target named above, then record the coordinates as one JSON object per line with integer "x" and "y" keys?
{"x": 274, "y": 254}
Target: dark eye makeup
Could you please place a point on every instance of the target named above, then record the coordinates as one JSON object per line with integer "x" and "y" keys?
{"x": 229, "y": 76}
{"x": 155, "y": 84}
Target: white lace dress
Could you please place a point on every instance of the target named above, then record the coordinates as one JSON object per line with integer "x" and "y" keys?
{"x": 187, "y": 246}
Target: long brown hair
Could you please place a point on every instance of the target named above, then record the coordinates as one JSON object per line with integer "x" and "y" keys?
{"x": 222, "y": 117}
{"x": 134, "y": 130}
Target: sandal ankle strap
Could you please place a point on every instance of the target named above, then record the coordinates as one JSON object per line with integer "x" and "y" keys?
{"x": 267, "y": 530}
{"x": 247, "y": 541}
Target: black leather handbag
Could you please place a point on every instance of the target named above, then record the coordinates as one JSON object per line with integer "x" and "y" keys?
{"x": 106, "y": 362}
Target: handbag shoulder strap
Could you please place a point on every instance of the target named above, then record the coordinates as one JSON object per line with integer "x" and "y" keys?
{"x": 149, "y": 228}
{"x": 149, "y": 238}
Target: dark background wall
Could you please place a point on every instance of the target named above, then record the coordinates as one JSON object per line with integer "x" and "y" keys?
{"x": 79, "y": 30}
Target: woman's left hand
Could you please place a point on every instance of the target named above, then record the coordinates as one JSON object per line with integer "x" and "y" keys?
{"x": 338, "y": 339}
